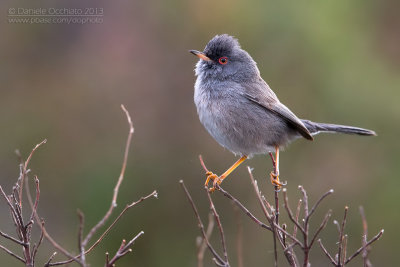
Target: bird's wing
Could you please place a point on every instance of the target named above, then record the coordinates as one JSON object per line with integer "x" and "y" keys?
{"x": 270, "y": 102}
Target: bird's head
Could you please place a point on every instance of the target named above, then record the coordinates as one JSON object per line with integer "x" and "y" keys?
{"x": 223, "y": 59}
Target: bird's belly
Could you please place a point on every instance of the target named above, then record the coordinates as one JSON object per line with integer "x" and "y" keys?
{"x": 242, "y": 127}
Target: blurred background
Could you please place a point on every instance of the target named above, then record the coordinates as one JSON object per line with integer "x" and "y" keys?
{"x": 330, "y": 61}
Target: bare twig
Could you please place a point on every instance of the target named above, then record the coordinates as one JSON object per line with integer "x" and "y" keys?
{"x": 298, "y": 242}
{"x": 376, "y": 237}
{"x": 38, "y": 220}
{"x": 25, "y": 170}
{"x": 35, "y": 205}
{"x": 296, "y": 221}
{"x": 36, "y": 247}
{"x": 103, "y": 220}
{"x": 50, "y": 259}
{"x": 239, "y": 236}
{"x": 13, "y": 211}
{"x": 13, "y": 239}
{"x": 317, "y": 203}
{"x": 127, "y": 207}
{"x": 153, "y": 194}
{"x": 341, "y": 260}
{"x": 341, "y": 233}
{"x": 243, "y": 208}
{"x": 202, "y": 163}
{"x": 280, "y": 231}
{"x": 220, "y": 228}
{"x": 218, "y": 259}
{"x": 81, "y": 248}
{"x": 202, "y": 245}
{"x": 258, "y": 193}
{"x": 327, "y": 253}
{"x": 116, "y": 189}
{"x": 290, "y": 213}
{"x": 305, "y": 201}
{"x": 320, "y": 228}
{"x": 122, "y": 251}
{"x": 24, "y": 230}
{"x": 345, "y": 238}
{"x": 12, "y": 254}
{"x": 43, "y": 228}
{"x": 269, "y": 217}
{"x": 365, "y": 252}
{"x": 276, "y": 210}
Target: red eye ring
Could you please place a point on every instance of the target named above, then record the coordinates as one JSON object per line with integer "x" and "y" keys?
{"x": 223, "y": 60}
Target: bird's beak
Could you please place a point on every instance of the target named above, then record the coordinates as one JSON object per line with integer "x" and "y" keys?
{"x": 200, "y": 55}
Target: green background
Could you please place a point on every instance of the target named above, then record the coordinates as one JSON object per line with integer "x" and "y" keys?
{"x": 332, "y": 61}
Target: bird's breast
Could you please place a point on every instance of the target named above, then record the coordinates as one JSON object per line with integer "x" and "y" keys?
{"x": 237, "y": 123}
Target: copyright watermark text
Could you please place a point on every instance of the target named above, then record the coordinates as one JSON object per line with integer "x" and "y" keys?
{"x": 51, "y": 15}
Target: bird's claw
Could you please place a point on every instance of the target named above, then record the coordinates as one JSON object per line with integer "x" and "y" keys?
{"x": 216, "y": 181}
{"x": 275, "y": 181}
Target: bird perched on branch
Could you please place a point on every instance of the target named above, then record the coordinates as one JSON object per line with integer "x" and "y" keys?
{"x": 242, "y": 113}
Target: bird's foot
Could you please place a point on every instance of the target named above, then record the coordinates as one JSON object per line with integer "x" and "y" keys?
{"x": 275, "y": 181}
{"x": 216, "y": 180}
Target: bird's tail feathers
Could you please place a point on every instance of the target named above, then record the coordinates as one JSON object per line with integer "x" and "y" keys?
{"x": 317, "y": 127}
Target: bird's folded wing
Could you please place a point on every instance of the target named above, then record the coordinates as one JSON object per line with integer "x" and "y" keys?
{"x": 282, "y": 111}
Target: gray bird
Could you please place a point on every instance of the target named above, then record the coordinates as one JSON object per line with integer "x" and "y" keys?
{"x": 241, "y": 112}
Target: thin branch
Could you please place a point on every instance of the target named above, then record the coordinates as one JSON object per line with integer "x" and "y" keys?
{"x": 221, "y": 230}
{"x": 117, "y": 186}
{"x": 376, "y": 237}
{"x": 260, "y": 200}
{"x": 320, "y": 228}
{"x": 25, "y": 169}
{"x": 43, "y": 228}
{"x": 288, "y": 234}
{"x": 236, "y": 201}
{"x": 341, "y": 233}
{"x": 217, "y": 258}
{"x": 327, "y": 253}
{"x": 317, "y": 203}
{"x": 131, "y": 242}
{"x": 13, "y": 239}
{"x": 202, "y": 163}
{"x": 345, "y": 238}
{"x": 306, "y": 249}
{"x": 243, "y": 208}
{"x": 81, "y": 248}
{"x": 13, "y": 211}
{"x": 202, "y": 245}
{"x": 124, "y": 249}
{"x": 305, "y": 199}
{"x": 153, "y": 194}
{"x": 284, "y": 227}
{"x": 296, "y": 222}
{"x": 239, "y": 236}
{"x": 290, "y": 213}
{"x": 12, "y": 253}
{"x": 276, "y": 209}
{"x": 36, "y": 247}
{"x": 101, "y": 222}
{"x": 365, "y": 252}
{"x": 50, "y": 259}
{"x": 31, "y": 154}
{"x": 35, "y": 205}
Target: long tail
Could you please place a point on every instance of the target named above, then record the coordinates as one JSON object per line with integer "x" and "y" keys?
{"x": 316, "y": 127}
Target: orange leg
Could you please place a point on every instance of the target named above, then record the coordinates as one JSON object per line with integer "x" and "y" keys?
{"x": 218, "y": 180}
{"x": 275, "y": 174}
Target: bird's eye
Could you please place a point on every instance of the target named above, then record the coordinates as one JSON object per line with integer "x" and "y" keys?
{"x": 223, "y": 60}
